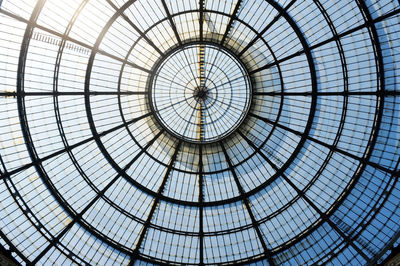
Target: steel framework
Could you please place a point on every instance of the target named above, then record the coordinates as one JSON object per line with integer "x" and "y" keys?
{"x": 199, "y": 132}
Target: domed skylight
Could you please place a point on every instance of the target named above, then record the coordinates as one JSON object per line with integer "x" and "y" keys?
{"x": 199, "y": 132}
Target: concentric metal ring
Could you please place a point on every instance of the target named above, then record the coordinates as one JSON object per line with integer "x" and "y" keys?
{"x": 199, "y": 132}
{"x": 200, "y": 92}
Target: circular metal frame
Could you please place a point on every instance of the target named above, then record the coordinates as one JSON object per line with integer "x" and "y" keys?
{"x": 286, "y": 147}
{"x": 207, "y": 45}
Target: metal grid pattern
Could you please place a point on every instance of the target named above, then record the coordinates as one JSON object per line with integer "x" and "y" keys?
{"x": 200, "y": 93}
{"x": 298, "y": 163}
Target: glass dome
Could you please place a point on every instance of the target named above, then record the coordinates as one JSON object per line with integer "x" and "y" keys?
{"x": 199, "y": 132}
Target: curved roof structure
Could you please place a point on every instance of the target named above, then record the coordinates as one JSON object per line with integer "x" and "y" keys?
{"x": 199, "y": 132}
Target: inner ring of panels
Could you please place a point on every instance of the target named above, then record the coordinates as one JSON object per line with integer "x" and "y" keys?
{"x": 200, "y": 92}
{"x": 98, "y": 180}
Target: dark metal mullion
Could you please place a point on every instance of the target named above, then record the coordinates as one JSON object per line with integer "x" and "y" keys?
{"x": 53, "y": 242}
{"x": 339, "y": 36}
{"x": 323, "y": 215}
{"x": 23, "y": 118}
{"x": 70, "y": 93}
{"x": 188, "y": 63}
{"x": 146, "y": 225}
{"x": 248, "y": 208}
{"x": 372, "y": 214}
{"x": 260, "y": 34}
{"x": 322, "y": 143}
{"x": 171, "y": 21}
{"x": 201, "y": 201}
{"x": 187, "y": 122}
{"x": 229, "y": 105}
{"x": 228, "y": 69}
{"x": 228, "y": 82}
{"x": 303, "y": 196}
{"x": 232, "y": 18}
{"x": 210, "y": 116}
{"x": 327, "y": 93}
{"x": 20, "y": 88}
{"x": 21, "y": 104}
{"x": 69, "y": 148}
{"x": 124, "y": 61}
{"x": 12, "y": 247}
{"x": 201, "y": 19}
{"x": 126, "y": 18}
{"x": 381, "y": 83}
{"x": 212, "y": 66}
{"x": 78, "y": 217}
{"x": 170, "y": 79}
{"x": 169, "y": 106}
{"x": 67, "y": 38}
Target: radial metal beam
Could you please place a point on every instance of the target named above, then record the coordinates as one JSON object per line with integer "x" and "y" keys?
{"x": 331, "y": 39}
{"x": 135, "y": 253}
{"x": 323, "y": 215}
{"x": 70, "y": 93}
{"x": 266, "y": 28}
{"x": 52, "y": 243}
{"x": 254, "y": 222}
{"x": 231, "y": 19}
{"x": 326, "y": 145}
{"x": 172, "y": 23}
{"x": 329, "y": 93}
{"x": 68, "y": 38}
{"x": 201, "y": 201}
{"x": 303, "y": 196}
{"x": 77, "y": 218}
{"x": 13, "y": 248}
{"x": 201, "y": 19}
{"x": 136, "y": 28}
{"x": 70, "y": 148}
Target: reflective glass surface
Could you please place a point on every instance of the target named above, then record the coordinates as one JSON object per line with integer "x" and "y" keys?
{"x": 199, "y": 132}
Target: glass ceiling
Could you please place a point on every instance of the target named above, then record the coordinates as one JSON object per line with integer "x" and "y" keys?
{"x": 199, "y": 132}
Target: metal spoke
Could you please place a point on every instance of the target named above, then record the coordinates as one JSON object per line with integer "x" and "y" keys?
{"x": 135, "y": 253}
{"x": 232, "y": 18}
{"x": 328, "y": 93}
{"x": 303, "y": 196}
{"x": 326, "y": 145}
{"x": 143, "y": 131}
{"x": 201, "y": 19}
{"x": 248, "y": 208}
{"x": 135, "y": 27}
{"x": 69, "y": 93}
{"x": 78, "y": 217}
{"x": 201, "y": 200}
{"x": 266, "y": 28}
{"x": 72, "y": 147}
{"x": 171, "y": 21}
{"x": 331, "y": 39}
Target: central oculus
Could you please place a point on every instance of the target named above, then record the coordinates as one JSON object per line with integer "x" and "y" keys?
{"x": 200, "y": 92}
